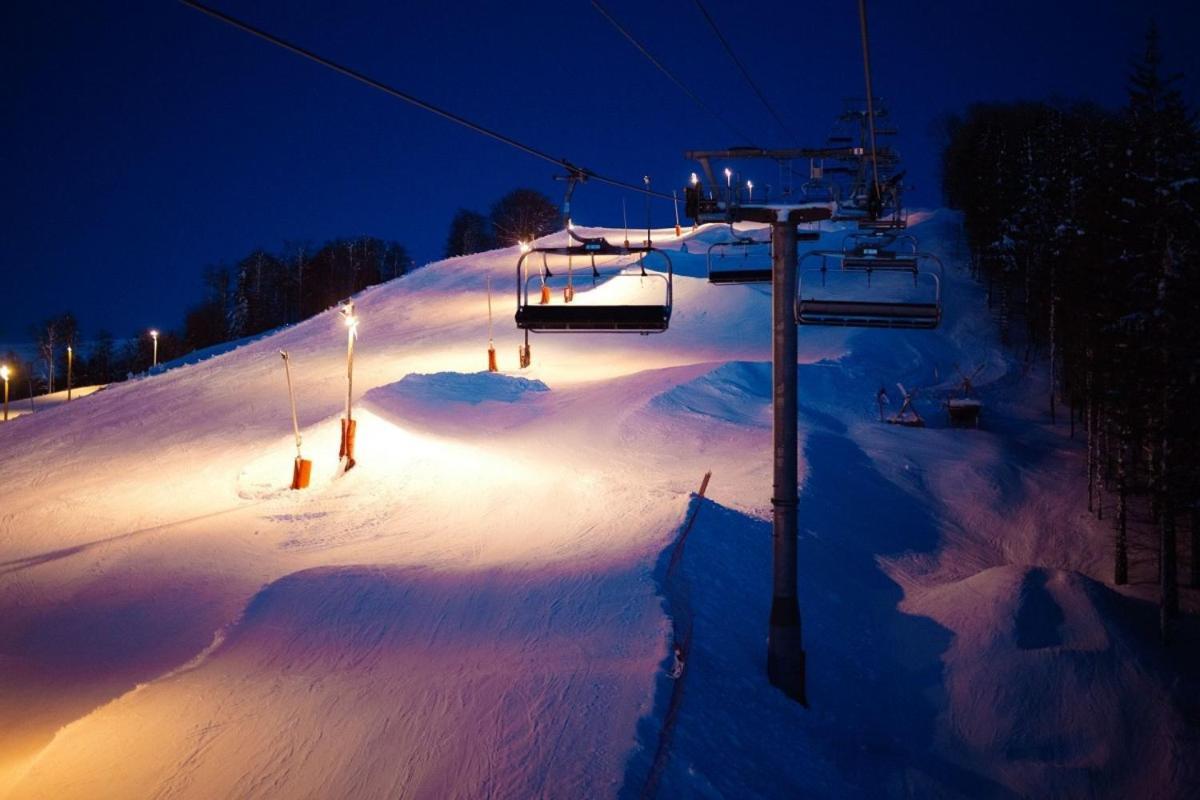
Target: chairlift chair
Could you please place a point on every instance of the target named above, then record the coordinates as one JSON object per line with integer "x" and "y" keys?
{"x": 579, "y": 316}
{"x": 849, "y": 297}
{"x": 880, "y": 250}
{"x": 819, "y": 191}
{"x": 739, "y": 261}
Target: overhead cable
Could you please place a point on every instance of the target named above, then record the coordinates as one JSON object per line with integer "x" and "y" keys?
{"x": 746, "y": 73}
{"x": 571, "y": 168}
{"x": 682, "y": 86}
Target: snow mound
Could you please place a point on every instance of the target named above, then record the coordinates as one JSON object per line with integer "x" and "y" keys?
{"x": 1047, "y": 682}
{"x": 457, "y": 403}
{"x": 738, "y": 392}
{"x": 458, "y": 387}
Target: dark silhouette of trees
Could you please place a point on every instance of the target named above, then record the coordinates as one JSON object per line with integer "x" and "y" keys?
{"x": 1084, "y": 226}
{"x": 264, "y": 290}
{"x": 521, "y": 215}
{"x": 469, "y": 233}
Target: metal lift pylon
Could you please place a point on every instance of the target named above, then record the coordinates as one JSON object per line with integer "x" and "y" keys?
{"x": 785, "y": 645}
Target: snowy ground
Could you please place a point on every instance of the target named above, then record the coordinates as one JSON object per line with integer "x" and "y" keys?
{"x": 487, "y": 604}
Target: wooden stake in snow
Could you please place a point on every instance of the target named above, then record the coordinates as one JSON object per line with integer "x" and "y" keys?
{"x": 646, "y": 180}
{"x": 491, "y": 344}
{"x": 346, "y": 449}
{"x": 523, "y": 356}
{"x": 302, "y": 468}
{"x": 569, "y": 289}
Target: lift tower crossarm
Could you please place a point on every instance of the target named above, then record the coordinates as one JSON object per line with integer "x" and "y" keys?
{"x": 705, "y": 157}
{"x": 786, "y": 154}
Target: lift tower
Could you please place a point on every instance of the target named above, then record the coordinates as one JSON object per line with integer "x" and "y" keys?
{"x": 785, "y": 650}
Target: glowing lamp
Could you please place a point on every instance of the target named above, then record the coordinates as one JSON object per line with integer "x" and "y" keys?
{"x": 695, "y": 179}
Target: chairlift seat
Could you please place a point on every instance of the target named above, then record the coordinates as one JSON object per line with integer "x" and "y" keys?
{"x": 582, "y": 317}
{"x": 882, "y": 262}
{"x": 867, "y": 314}
{"x": 751, "y": 275}
{"x": 597, "y": 319}
{"x": 753, "y": 272}
{"x": 888, "y": 223}
{"x": 840, "y": 299}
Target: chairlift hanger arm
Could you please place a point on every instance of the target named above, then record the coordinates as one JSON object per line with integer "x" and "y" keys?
{"x": 408, "y": 98}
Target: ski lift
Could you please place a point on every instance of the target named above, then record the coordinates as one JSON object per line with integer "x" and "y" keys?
{"x": 543, "y": 316}
{"x": 880, "y": 250}
{"x": 739, "y": 260}
{"x": 870, "y": 298}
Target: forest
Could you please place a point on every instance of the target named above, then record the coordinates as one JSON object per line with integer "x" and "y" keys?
{"x": 1083, "y": 224}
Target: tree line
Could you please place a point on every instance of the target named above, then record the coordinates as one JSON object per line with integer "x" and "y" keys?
{"x": 256, "y": 293}
{"x": 1083, "y": 223}
{"x": 264, "y": 290}
{"x": 519, "y": 216}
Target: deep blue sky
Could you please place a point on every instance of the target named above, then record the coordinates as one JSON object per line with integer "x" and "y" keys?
{"x": 143, "y": 140}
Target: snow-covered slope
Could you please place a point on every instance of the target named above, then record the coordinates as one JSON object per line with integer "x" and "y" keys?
{"x": 484, "y": 606}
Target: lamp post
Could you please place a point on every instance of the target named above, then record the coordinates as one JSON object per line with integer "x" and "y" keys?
{"x": 346, "y": 450}
{"x": 523, "y": 357}
{"x": 70, "y": 364}
{"x": 749, "y": 191}
{"x": 4, "y": 375}
{"x": 646, "y": 180}
{"x": 696, "y": 187}
{"x": 154, "y": 336}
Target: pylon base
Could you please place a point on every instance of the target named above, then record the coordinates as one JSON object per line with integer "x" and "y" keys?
{"x": 785, "y": 652}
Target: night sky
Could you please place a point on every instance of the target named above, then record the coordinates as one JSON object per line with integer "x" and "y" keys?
{"x": 143, "y": 140}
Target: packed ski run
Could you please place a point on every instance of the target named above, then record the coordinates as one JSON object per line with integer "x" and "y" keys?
{"x": 517, "y": 593}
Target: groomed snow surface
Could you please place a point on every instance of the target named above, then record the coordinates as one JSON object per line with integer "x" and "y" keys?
{"x": 489, "y": 604}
